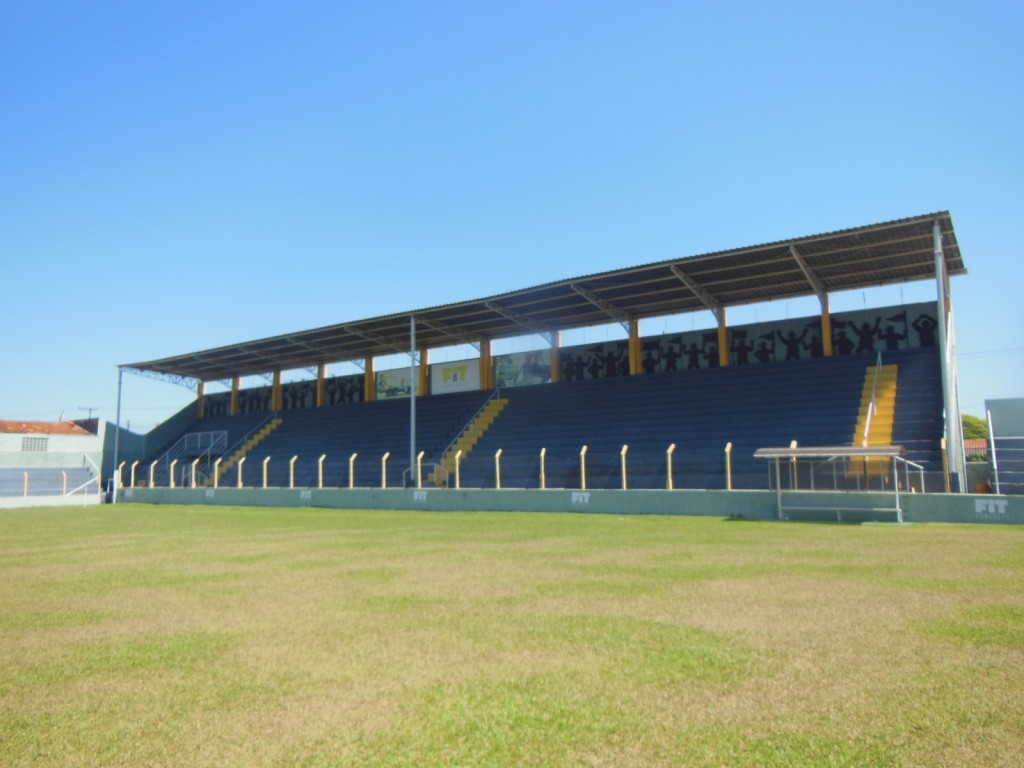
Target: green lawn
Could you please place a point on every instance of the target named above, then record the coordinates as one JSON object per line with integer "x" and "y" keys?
{"x": 141, "y": 635}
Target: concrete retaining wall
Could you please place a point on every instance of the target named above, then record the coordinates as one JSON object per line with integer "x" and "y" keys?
{"x": 758, "y": 505}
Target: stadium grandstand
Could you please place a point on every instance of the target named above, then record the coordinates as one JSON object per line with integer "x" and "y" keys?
{"x": 58, "y": 460}
{"x": 676, "y": 411}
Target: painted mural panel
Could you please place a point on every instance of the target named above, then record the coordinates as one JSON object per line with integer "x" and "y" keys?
{"x": 866, "y": 331}
{"x": 595, "y": 361}
{"x": 394, "y": 384}
{"x": 523, "y": 368}
{"x": 458, "y": 376}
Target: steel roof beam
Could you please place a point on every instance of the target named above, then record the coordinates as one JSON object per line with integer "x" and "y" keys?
{"x": 449, "y": 331}
{"x": 530, "y": 325}
{"x": 188, "y": 382}
{"x": 615, "y": 313}
{"x": 383, "y": 341}
{"x": 812, "y": 278}
{"x": 709, "y": 301}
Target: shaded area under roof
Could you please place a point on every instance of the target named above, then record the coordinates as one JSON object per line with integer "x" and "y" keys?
{"x": 879, "y": 254}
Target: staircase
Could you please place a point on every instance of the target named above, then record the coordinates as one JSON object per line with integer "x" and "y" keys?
{"x": 470, "y": 436}
{"x": 251, "y": 442}
{"x": 877, "y": 414}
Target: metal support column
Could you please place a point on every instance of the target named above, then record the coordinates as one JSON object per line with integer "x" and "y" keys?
{"x": 117, "y": 438}
{"x": 413, "y": 378}
{"x": 952, "y": 431}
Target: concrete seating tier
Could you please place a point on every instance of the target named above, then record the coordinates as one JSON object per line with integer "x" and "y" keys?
{"x": 367, "y": 429}
{"x": 814, "y": 402}
{"x": 44, "y": 481}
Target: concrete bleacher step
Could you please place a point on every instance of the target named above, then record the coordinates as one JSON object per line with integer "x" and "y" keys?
{"x": 244, "y": 449}
{"x": 877, "y": 415}
{"x": 470, "y": 436}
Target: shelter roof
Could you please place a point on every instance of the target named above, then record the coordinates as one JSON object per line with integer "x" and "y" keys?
{"x": 42, "y": 428}
{"x": 878, "y": 254}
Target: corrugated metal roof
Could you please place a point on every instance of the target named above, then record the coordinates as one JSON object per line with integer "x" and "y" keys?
{"x": 878, "y": 254}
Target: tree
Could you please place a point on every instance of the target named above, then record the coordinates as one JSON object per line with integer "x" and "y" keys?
{"x": 974, "y": 428}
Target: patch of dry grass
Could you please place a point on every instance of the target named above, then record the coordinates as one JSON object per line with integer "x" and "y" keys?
{"x": 136, "y": 635}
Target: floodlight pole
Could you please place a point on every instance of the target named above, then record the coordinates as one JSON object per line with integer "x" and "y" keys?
{"x": 944, "y": 305}
{"x": 412, "y": 394}
{"x": 117, "y": 435}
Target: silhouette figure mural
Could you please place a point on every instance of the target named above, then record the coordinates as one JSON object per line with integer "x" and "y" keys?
{"x": 857, "y": 332}
{"x": 925, "y": 327}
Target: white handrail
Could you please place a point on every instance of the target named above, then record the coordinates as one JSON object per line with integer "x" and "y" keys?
{"x": 874, "y": 396}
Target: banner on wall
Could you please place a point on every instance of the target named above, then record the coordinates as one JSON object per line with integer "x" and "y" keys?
{"x": 522, "y": 368}
{"x": 394, "y": 384}
{"x": 459, "y": 376}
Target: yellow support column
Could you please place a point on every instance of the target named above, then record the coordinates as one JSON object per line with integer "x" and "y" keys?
{"x": 486, "y": 365}
{"x": 370, "y": 381}
{"x": 723, "y": 339}
{"x": 826, "y": 333}
{"x": 201, "y": 400}
{"x": 424, "y": 388}
{"x": 556, "y": 357}
{"x": 321, "y": 385}
{"x": 635, "y": 349}
{"x": 235, "y": 385}
{"x": 276, "y": 395}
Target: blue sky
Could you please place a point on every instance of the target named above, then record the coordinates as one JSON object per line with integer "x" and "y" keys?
{"x": 177, "y": 176}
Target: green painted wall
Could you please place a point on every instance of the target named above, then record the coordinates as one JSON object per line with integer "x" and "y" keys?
{"x": 760, "y": 505}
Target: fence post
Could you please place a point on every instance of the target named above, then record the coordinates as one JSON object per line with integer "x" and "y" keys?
{"x": 241, "y": 463}
{"x": 194, "y": 463}
{"x": 134, "y": 465}
{"x": 583, "y": 468}
{"x": 216, "y": 471}
{"x": 458, "y": 461}
{"x": 320, "y": 471}
{"x": 728, "y": 466}
{"x": 669, "y": 480}
{"x": 622, "y": 455}
{"x": 497, "y": 468}
{"x": 64, "y": 487}
{"x": 419, "y": 469}
{"x": 352, "y": 470}
{"x": 384, "y": 470}
{"x": 543, "y": 471}
{"x": 25, "y": 473}
{"x": 171, "y": 473}
{"x": 266, "y": 461}
{"x": 291, "y": 471}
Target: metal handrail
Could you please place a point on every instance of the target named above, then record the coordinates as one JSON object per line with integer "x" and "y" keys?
{"x": 469, "y": 423}
{"x": 874, "y": 396}
{"x": 907, "y": 464}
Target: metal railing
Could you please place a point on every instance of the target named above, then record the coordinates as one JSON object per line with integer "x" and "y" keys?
{"x": 874, "y": 399}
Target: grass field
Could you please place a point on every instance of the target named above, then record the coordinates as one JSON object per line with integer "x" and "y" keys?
{"x": 139, "y": 636}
